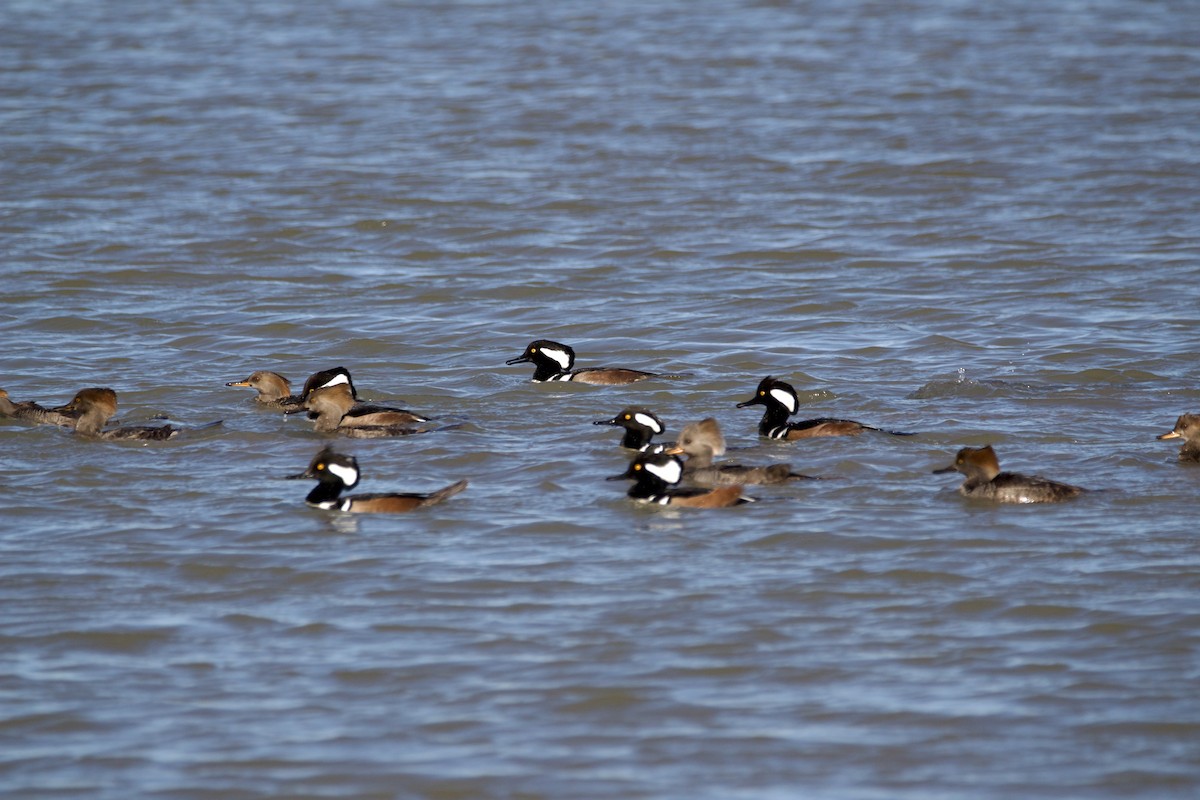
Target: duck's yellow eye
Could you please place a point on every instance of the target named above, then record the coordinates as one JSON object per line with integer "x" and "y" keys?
{"x": 628, "y": 416}
{"x": 637, "y": 467}
{"x": 762, "y": 394}
{"x": 533, "y": 349}
{"x": 320, "y": 467}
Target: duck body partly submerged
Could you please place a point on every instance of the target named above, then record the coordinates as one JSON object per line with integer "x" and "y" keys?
{"x": 702, "y": 441}
{"x": 552, "y": 361}
{"x": 985, "y": 481}
{"x": 97, "y": 405}
{"x": 656, "y": 476}
{"x": 334, "y": 410}
{"x": 29, "y": 411}
{"x": 336, "y": 473}
{"x": 780, "y": 402}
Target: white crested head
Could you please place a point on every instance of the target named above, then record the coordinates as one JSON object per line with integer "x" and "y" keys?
{"x": 669, "y": 471}
{"x": 346, "y": 473}
{"x": 648, "y": 421}
{"x": 558, "y": 355}
{"x": 336, "y": 380}
{"x": 785, "y": 398}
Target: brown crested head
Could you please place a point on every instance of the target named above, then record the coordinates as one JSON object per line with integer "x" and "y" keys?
{"x": 701, "y": 439}
{"x": 975, "y": 462}
{"x": 266, "y": 382}
{"x": 339, "y": 397}
{"x": 97, "y": 397}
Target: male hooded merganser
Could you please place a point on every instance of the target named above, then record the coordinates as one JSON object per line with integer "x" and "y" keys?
{"x": 985, "y": 481}
{"x": 781, "y": 402}
{"x": 640, "y": 427}
{"x": 333, "y": 409}
{"x": 1187, "y": 427}
{"x": 328, "y": 377}
{"x": 274, "y": 390}
{"x": 30, "y": 411}
{"x": 97, "y": 405}
{"x": 335, "y": 473}
{"x": 656, "y": 474}
{"x": 701, "y": 441}
{"x": 553, "y": 361}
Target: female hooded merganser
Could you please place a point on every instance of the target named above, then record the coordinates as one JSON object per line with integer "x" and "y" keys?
{"x": 655, "y": 475}
{"x": 96, "y": 406}
{"x": 30, "y": 411}
{"x": 274, "y": 390}
{"x": 1187, "y": 427}
{"x": 781, "y": 402}
{"x": 553, "y": 361}
{"x": 640, "y": 427}
{"x": 985, "y": 481}
{"x": 701, "y": 441}
{"x": 333, "y": 408}
{"x": 335, "y": 473}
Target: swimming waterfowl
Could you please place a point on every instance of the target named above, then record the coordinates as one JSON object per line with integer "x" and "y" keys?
{"x": 985, "y": 481}
{"x": 781, "y": 402}
{"x": 656, "y": 476}
{"x": 97, "y": 405}
{"x": 702, "y": 441}
{"x": 640, "y": 426}
{"x": 336, "y": 473}
{"x": 1187, "y": 427}
{"x": 333, "y": 409}
{"x": 29, "y": 411}
{"x": 552, "y": 361}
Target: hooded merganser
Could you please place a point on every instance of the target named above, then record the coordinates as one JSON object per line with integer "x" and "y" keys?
{"x": 1187, "y": 427}
{"x": 640, "y": 427}
{"x": 553, "y": 361}
{"x": 985, "y": 481}
{"x": 655, "y": 475}
{"x": 30, "y": 411}
{"x": 781, "y": 402}
{"x": 274, "y": 390}
{"x": 702, "y": 440}
{"x": 333, "y": 409}
{"x": 335, "y": 473}
{"x": 97, "y": 405}
{"x": 328, "y": 377}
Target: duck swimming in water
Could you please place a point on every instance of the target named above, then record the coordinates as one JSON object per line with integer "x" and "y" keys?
{"x": 552, "y": 361}
{"x": 781, "y": 402}
{"x": 333, "y": 409}
{"x": 335, "y": 473}
{"x": 29, "y": 411}
{"x": 656, "y": 476}
{"x": 702, "y": 441}
{"x": 96, "y": 406}
{"x": 985, "y": 481}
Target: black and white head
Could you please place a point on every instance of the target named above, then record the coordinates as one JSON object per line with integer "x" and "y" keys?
{"x": 641, "y": 425}
{"x": 653, "y": 467}
{"x": 332, "y": 468}
{"x": 329, "y": 377}
{"x": 547, "y": 354}
{"x": 774, "y": 394}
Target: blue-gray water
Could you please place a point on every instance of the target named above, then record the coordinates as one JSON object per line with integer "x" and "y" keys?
{"x": 974, "y": 221}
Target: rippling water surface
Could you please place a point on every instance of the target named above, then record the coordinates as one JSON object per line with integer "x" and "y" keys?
{"x": 973, "y": 221}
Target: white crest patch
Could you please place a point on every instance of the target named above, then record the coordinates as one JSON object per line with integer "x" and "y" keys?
{"x": 669, "y": 472}
{"x": 785, "y": 399}
{"x": 348, "y": 474}
{"x": 335, "y": 380}
{"x": 561, "y": 357}
{"x": 649, "y": 421}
